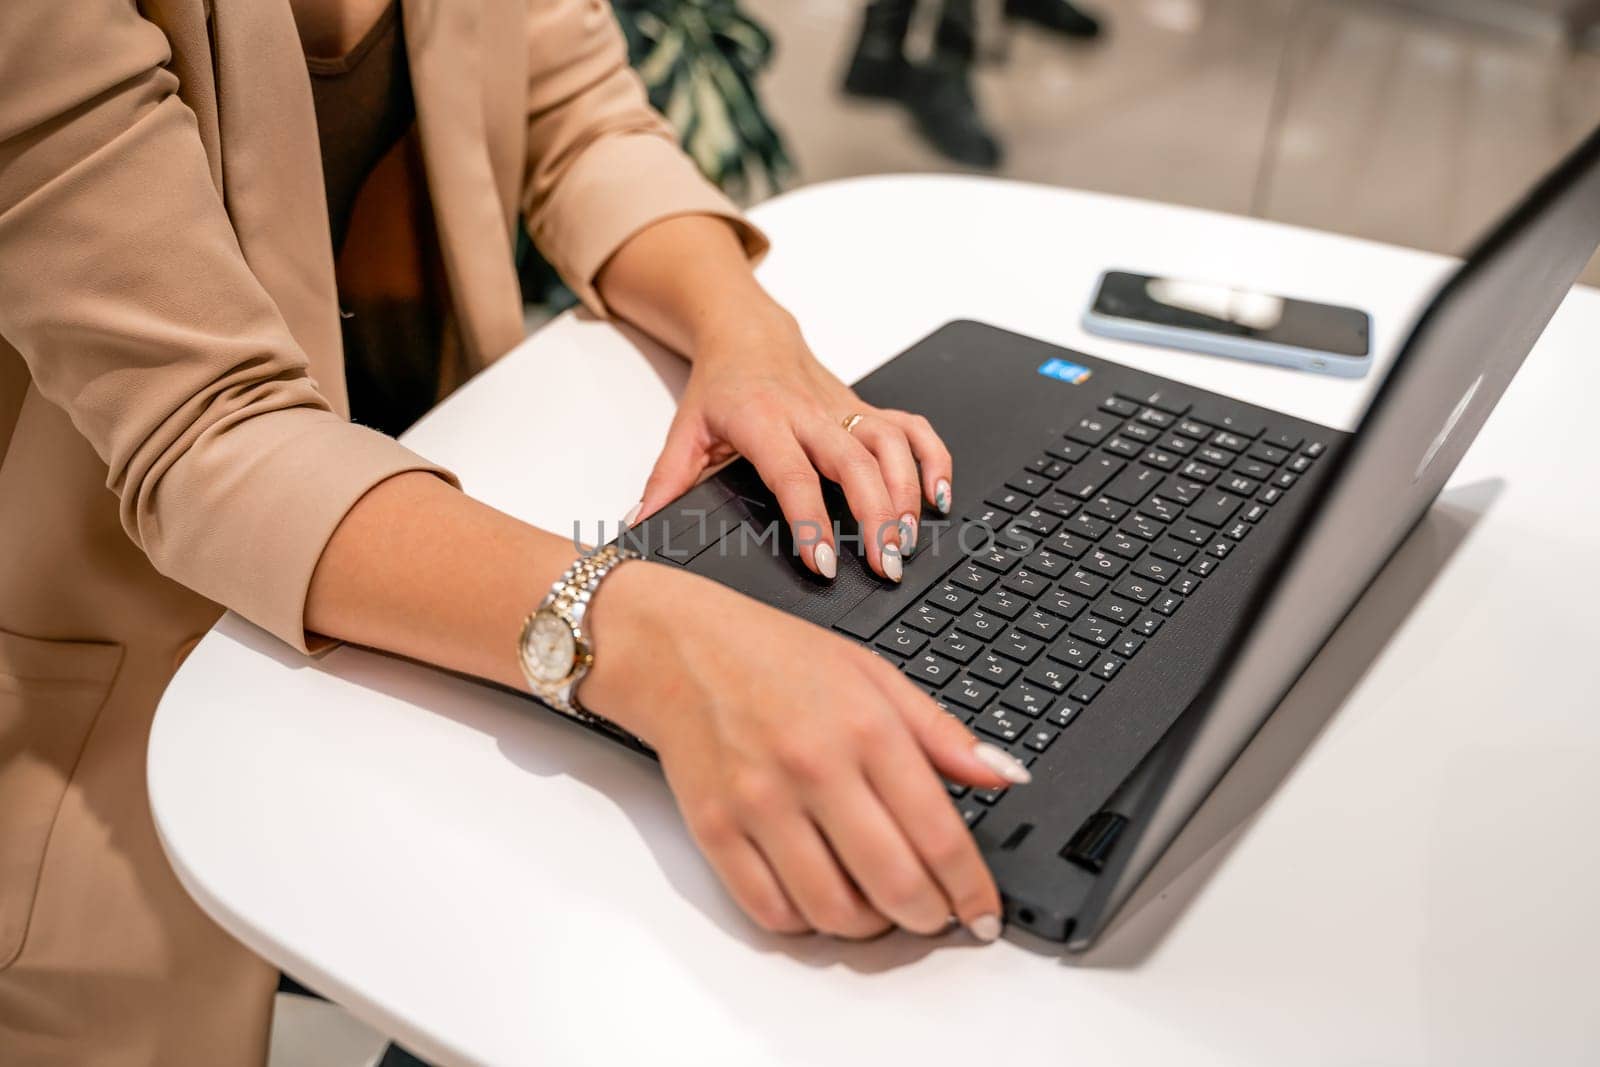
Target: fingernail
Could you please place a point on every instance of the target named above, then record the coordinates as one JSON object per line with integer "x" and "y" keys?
{"x": 985, "y": 927}
{"x": 826, "y": 562}
{"x": 633, "y": 514}
{"x": 908, "y": 532}
{"x": 1002, "y": 763}
{"x": 891, "y": 562}
{"x": 941, "y": 495}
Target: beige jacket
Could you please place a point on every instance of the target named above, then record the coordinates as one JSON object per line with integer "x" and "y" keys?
{"x": 173, "y": 431}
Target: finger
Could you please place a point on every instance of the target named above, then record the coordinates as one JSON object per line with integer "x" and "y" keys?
{"x": 954, "y": 751}
{"x": 932, "y": 457}
{"x": 680, "y": 464}
{"x": 916, "y": 800}
{"x": 812, "y": 878}
{"x": 753, "y": 885}
{"x": 846, "y": 461}
{"x": 888, "y": 444}
{"x": 873, "y": 847}
{"x": 788, "y": 472}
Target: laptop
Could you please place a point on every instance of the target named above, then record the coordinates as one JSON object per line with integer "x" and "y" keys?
{"x": 1136, "y": 570}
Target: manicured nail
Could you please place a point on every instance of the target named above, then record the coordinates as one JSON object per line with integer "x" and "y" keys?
{"x": 941, "y": 495}
{"x": 985, "y": 927}
{"x": 908, "y": 532}
{"x": 633, "y": 514}
{"x": 1002, "y": 763}
{"x": 891, "y": 562}
{"x": 826, "y": 562}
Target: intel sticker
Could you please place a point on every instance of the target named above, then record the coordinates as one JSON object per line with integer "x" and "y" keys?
{"x": 1061, "y": 370}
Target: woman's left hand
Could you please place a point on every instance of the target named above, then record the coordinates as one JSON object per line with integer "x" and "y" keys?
{"x": 756, "y": 390}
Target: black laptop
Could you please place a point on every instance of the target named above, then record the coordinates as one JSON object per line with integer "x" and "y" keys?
{"x": 1137, "y": 570}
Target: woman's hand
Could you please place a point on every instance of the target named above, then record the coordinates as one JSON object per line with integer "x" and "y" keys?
{"x": 757, "y": 390}
{"x": 806, "y": 768}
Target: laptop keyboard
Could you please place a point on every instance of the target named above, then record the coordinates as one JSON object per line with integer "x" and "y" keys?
{"x": 1083, "y": 556}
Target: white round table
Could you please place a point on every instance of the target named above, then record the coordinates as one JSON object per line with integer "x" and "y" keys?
{"x": 1401, "y": 869}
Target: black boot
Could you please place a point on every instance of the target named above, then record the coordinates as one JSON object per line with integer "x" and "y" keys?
{"x": 939, "y": 97}
{"x": 878, "y": 68}
{"x": 1060, "y": 16}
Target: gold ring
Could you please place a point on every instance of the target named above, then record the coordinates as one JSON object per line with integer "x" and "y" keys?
{"x": 849, "y": 421}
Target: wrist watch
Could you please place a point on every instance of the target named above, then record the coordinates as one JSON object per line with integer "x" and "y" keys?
{"x": 554, "y": 649}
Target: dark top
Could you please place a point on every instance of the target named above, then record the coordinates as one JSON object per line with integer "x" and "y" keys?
{"x": 364, "y": 107}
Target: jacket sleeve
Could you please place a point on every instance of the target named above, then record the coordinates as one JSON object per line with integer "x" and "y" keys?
{"x": 124, "y": 288}
{"x": 602, "y": 164}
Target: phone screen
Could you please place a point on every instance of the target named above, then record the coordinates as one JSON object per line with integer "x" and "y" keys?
{"x": 1235, "y": 313}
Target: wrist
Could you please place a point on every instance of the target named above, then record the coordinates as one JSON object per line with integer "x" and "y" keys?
{"x": 743, "y": 329}
{"x": 631, "y": 646}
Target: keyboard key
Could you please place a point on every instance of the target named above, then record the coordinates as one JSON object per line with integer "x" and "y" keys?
{"x": 1040, "y": 738}
{"x": 1172, "y": 550}
{"x": 969, "y": 693}
{"x": 1176, "y": 443}
{"x": 1124, "y": 447}
{"x": 927, "y": 618}
{"x": 1200, "y": 472}
{"x": 1068, "y": 545}
{"x": 1048, "y": 467}
{"x": 1008, "y": 500}
{"x": 957, "y": 646}
{"x": 997, "y": 559}
{"x": 1237, "y": 421}
{"x": 1067, "y": 605}
{"x": 1028, "y": 483}
{"x": 1104, "y": 564}
{"x": 1199, "y": 431}
{"x": 1085, "y": 689}
{"x": 1231, "y": 441}
{"x": 1300, "y": 464}
{"x": 1214, "y": 509}
{"x": 1269, "y": 495}
{"x": 1160, "y": 459}
{"x": 1285, "y": 480}
{"x": 1030, "y": 699}
{"x": 1062, "y": 714}
{"x": 1116, "y": 609}
{"x": 1285, "y": 439}
{"x": 990, "y": 797}
{"x": 1119, "y": 406}
{"x": 1204, "y": 565}
{"x": 1086, "y": 525}
{"x": 993, "y": 669}
{"x": 1040, "y": 623}
{"x": 932, "y": 668}
{"x": 1167, "y": 603}
{"x": 1072, "y": 651}
{"x": 980, "y": 623}
{"x": 1122, "y": 545}
{"x": 1126, "y": 645}
{"x": 901, "y": 640}
{"x": 1095, "y": 630}
{"x": 951, "y": 597}
{"x": 1081, "y": 581}
{"x": 1051, "y": 564}
{"x": 1058, "y": 504}
{"x": 1160, "y": 507}
{"x": 1254, "y": 513}
{"x": 1133, "y": 485}
{"x": 1253, "y": 468}
{"x": 1217, "y": 457}
{"x": 1184, "y": 584}
{"x": 1142, "y": 590}
{"x": 1002, "y": 602}
{"x": 1238, "y": 483}
{"x": 1067, "y": 451}
{"x": 1037, "y": 521}
{"x": 1091, "y": 430}
{"x": 1153, "y": 417}
{"x": 971, "y": 576}
{"x": 1314, "y": 449}
{"x": 1238, "y": 530}
{"x": 1026, "y": 583}
{"x": 990, "y": 518}
{"x": 1002, "y": 723}
{"x": 1220, "y": 548}
{"x": 1147, "y": 624}
{"x": 1018, "y": 646}
{"x": 1154, "y": 568}
{"x": 1141, "y": 432}
{"x": 971, "y": 812}
{"x": 1085, "y": 480}
{"x": 957, "y": 790}
{"x": 1182, "y": 490}
{"x": 1106, "y": 667}
{"x": 1048, "y": 675}
{"x": 1163, "y": 398}
{"x": 1103, "y": 507}
{"x": 1190, "y": 532}
{"x": 1268, "y": 454}
{"x": 1143, "y": 527}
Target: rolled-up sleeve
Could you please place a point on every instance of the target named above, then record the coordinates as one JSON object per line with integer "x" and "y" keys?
{"x": 123, "y": 287}
{"x": 602, "y": 164}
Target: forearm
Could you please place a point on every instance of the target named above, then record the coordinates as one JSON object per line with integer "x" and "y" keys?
{"x": 421, "y": 569}
{"x": 684, "y": 279}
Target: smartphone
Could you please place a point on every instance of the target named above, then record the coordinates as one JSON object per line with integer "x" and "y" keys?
{"x": 1238, "y": 323}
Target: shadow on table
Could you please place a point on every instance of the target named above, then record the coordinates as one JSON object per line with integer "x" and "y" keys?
{"x": 1220, "y": 824}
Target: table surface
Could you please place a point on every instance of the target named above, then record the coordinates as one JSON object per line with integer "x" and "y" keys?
{"x": 1400, "y": 869}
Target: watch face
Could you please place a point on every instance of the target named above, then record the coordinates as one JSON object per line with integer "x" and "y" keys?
{"x": 550, "y": 648}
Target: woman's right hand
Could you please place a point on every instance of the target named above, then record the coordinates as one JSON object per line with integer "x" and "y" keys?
{"x": 807, "y": 768}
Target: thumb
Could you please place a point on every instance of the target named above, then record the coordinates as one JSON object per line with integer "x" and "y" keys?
{"x": 680, "y": 463}
{"x": 956, "y": 752}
